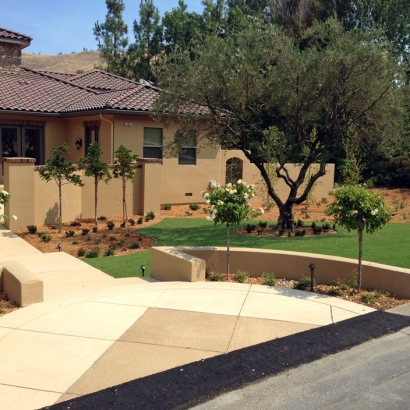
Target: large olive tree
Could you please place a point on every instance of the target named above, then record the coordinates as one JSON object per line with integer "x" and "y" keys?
{"x": 281, "y": 99}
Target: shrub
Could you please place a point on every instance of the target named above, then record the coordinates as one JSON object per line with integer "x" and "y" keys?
{"x": 74, "y": 242}
{"x": 113, "y": 246}
{"x": 84, "y": 231}
{"x": 95, "y": 229}
{"x": 326, "y": 226}
{"x": 109, "y": 252}
{"x": 131, "y": 221}
{"x": 348, "y": 284}
{"x": 134, "y": 245}
{"x": 263, "y": 224}
{"x": 150, "y": 215}
{"x": 370, "y": 297}
{"x": 268, "y": 279}
{"x": 81, "y": 252}
{"x": 304, "y": 283}
{"x": 32, "y": 228}
{"x": 217, "y": 277}
{"x": 69, "y": 234}
{"x": 46, "y": 238}
{"x": 166, "y": 207}
{"x": 241, "y": 276}
{"x": 140, "y": 219}
{"x": 75, "y": 223}
{"x": 299, "y": 223}
{"x": 127, "y": 235}
{"x": 110, "y": 225}
{"x": 260, "y": 230}
{"x": 313, "y": 225}
{"x": 98, "y": 241}
{"x": 93, "y": 253}
{"x": 281, "y": 232}
{"x": 300, "y": 232}
{"x": 188, "y": 213}
{"x": 317, "y": 230}
{"x": 102, "y": 218}
{"x": 193, "y": 207}
{"x": 249, "y": 228}
{"x": 122, "y": 225}
{"x": 334, "y": 291}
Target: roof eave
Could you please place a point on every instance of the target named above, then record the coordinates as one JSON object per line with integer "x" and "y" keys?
{"x": 22, "y": 43}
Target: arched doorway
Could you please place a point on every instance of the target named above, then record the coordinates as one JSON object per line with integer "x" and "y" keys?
{"x": 233, "y": 170}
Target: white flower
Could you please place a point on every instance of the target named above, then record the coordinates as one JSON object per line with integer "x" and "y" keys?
{"x": 206, "y": 195}
{"x": 245, "y": 195}
{"x": 262, "y": 211}
{"x": 229, "y": 184}
{"x": 14, "y": 217}
{"x": 354, "y": 212}
{"x": 5, "y": 192}
{"x": 240, "y": 181}
{"x": 375, "y": 212}
{"x": 208, "y": 218}
{"x": 208, "y": 201}
{"x": 220, "y": 202}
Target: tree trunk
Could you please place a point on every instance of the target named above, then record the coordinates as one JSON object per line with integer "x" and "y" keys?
{"x": 60, "y": 212}
{"x": 124, "y": 204}
{"x": 96, "y": 199}
{"x": 286, "y": 220}
{"x": 227, "y": 252}
{"x": 359, "y": 273}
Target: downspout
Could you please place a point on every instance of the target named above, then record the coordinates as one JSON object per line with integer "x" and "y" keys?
{"x": 112, "y": 137}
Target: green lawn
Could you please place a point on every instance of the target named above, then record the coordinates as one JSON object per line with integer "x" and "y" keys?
{"x": 390, "y": 246}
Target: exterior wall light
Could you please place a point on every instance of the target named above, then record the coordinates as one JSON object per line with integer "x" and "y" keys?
{"x": 143, "y": 270}
{"x": 78, "y": 143}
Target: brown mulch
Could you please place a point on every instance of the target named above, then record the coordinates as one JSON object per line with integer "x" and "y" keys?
{"x": 5, "y": 305}
{"x": 384, "y": 300}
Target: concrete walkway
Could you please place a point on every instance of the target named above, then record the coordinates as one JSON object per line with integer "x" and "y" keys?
{"x": 93, "y": 331}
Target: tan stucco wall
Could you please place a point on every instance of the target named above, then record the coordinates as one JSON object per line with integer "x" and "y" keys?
{"x": 292, "y": 265}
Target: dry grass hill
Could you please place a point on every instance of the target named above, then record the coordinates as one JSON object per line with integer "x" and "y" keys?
{"x": 64, "y": 63}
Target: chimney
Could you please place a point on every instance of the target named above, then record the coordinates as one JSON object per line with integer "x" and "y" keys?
{"x": 11, "y": 44}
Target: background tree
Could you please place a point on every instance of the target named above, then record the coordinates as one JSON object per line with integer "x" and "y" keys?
{"x": 357, "y": 208}
{"x": 111, "y": 38}
{"x": 261, "y": 92}
{"x": 148, "y": 39}
{"x": 62, "y": 172}
{"x": 124, "y": 170}
{"x": 96, "y": 168}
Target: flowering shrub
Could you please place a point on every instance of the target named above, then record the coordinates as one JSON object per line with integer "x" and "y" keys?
{"x": 4, "y": 199}
{"x": 229, "y": 205}
{"x": 357, "y": 208}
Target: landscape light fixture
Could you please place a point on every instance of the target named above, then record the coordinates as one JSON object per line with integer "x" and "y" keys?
{"x": 312, "y": 270}
{"x": 143, "y": 270}
{"x": 78, "y": 143}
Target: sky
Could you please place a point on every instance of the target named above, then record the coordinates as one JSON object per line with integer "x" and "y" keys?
{"x": 66, "y": 26}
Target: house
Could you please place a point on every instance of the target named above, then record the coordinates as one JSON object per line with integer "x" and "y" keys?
{"x": 40, "y": 110}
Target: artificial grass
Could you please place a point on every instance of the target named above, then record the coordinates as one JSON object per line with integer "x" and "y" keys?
{"x": 388, "y": 246}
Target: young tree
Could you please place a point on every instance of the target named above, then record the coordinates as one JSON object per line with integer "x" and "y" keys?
{"x": 262, "y": 92}
{"x": 148, "y": 38}
{"x": 124, "y": 170}
{"x": 111, "y": 38}
{"x": 229, "y": 205}
{"x": 357, "y": 208}
{"x": 62, "y": 172}
{"x": 96, "y": 168}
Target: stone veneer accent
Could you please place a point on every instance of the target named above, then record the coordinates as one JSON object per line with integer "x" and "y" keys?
{"x": 10, "y": 57}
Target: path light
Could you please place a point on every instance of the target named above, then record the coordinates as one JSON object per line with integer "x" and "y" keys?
{"x": 143, "y": 270}
{"x": 59, "y": 247}
{"x": 78, "y": 143}
{"x": 312, "y": 270}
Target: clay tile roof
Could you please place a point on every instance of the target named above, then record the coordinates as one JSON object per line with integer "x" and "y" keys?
{"x": 33, "y": 91}
{"x": 55, "y": 74}
{"x": 101, "y": 80}
{"x": 13, "y": 35}
{"x": 139, "y": 98}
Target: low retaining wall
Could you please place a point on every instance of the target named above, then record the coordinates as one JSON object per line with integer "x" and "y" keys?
{"x": 285, "y": 264}
{"x": 20, "y": 284}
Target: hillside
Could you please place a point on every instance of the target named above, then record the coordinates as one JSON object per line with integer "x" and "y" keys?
{"x": 64, "y": 63}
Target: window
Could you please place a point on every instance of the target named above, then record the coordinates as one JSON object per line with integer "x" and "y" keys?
{"x": 22, "y": 141}
{"x": 152, "y": 143}
{"x": 91, "y": 135}
{"x": 187, "y": 155}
